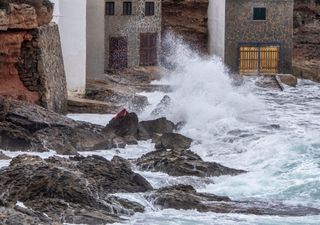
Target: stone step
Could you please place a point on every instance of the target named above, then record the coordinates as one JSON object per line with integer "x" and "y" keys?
{"x": 83, "y": 105}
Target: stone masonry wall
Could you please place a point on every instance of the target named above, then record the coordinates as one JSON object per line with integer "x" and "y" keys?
{"x": 51, "y": 69}
{"x": 31, "y": 66}
{"x": 131, "y": 27}
{"x": 39, "y": 66}
{"x": 278, "y": 27}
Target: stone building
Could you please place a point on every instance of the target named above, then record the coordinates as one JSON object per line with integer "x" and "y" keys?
{"x": 98, "y": 35}
{"x": 132, "y": 33}
{"x": 253, "y": 36}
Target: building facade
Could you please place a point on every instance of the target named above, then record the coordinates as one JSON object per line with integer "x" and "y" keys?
{"x": 132, "y": 33}
{"x": 70, "y": 15}
{"x": 253, "y": 36}
{"x": 98, "y": 35}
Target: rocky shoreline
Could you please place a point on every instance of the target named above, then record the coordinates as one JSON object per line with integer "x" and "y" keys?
{"x": 77, "y": 189}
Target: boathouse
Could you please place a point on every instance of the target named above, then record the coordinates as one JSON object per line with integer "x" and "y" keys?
{"x": 253, "y": 36}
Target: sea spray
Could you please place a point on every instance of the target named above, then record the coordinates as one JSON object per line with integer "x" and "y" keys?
{"x": 203, "y": 95}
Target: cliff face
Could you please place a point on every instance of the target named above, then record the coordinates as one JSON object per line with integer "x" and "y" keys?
{"x": 28, "y": 67}
{"x": 188, "y": 19}
{"x": 307, "y": 39}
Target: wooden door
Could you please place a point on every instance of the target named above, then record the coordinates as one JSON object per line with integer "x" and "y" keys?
{"x": 249, "y": 60}
{"x": 259, "y": 60}
{"x": 148, "y": 49}
{"x": 269, "y": 60}
{"x": 118, "y": 58}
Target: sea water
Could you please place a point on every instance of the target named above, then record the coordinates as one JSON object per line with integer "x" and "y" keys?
{"x": 273, "y": 135}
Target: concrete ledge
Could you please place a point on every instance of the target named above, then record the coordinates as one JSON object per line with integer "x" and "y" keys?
{"x": 82, "y": 105}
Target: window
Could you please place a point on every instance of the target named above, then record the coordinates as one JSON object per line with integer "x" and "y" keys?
{"x": 149, "y": 10}
{"x": 109, "y": 8}
{"x": 127, "y": 8}
{"x": 259, "y": 13}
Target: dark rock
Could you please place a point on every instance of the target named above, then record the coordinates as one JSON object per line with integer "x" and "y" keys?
{"x": 19, "y": 216}
{"x": 28, "y": 127}
{"x": 162, "y": 106}
{"x": 3, "y": 156}
{"x": 77, "y": 189}
{"x": 173, "y": 141}
{"x": 147, "y": 129}
{"x": 185, "y": 197}
{"x": 180, "y": 125}
{"x": 179, "y": 162}
{"x": 126, "y": 125}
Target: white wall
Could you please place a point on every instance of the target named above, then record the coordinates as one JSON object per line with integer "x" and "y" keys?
{"x": 71, "y": 18}
{"x": 95, "y": 38}
{"x": 216, "y": 25}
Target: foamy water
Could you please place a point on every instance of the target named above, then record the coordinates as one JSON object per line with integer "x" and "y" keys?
{"x": 274, "y": 135}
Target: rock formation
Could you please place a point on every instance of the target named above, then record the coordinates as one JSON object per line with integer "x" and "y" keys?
{"x": 180, "y": 162}
{"x": 75, "y": 190}
{"x": 187, "y": 198}
{"x": 307, "y": 39}
{"x": 31, "y": 65}
{"x": 188, "y": 19}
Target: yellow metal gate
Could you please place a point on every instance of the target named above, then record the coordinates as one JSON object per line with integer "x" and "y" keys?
{"x": 259, "y": 60}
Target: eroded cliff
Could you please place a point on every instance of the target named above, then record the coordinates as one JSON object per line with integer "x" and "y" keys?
{"x": 188, "y": 19}
{"x": 307, "y": 39}
{"x": 31, "y": 65}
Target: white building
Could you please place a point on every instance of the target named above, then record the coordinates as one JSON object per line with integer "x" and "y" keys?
{"x": 81, "y": 25}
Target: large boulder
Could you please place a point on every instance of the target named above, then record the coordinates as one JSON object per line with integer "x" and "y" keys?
{"x": 72, "y": 190}
{"x": 124, "y": 124}
{"x": 187, "y": 198}
{"x": 147, "y": 129}
{"x": 180, "y": 162}
{"x": 173, "y": 141}
{"x": 288, "y": 79}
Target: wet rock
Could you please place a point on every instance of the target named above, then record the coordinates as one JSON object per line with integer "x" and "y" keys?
{"x": 288, "y": 79}
{"x": 173, "y": 141}
{"x": 28, "y": 127}
{"x": 20, "y": 216}
{"x": 185, "y": 197}
{"x": 180, "y": 125}
{"x": 147, "y": 129}
{"x": 162, "y": 106}
{"x": 3, "y": 156}
{"x": 180, "y": 162}
{"x": 76, "y": 189}
{"x": 124, "y": 125}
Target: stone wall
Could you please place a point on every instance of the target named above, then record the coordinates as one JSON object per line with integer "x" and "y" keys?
{"x": 31, "y": 66}
{"x": 131, "y": 27}
{"x": 187, "y": 19}
{"x": 51, "y": 69}
{"x": 277, "y": 28}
